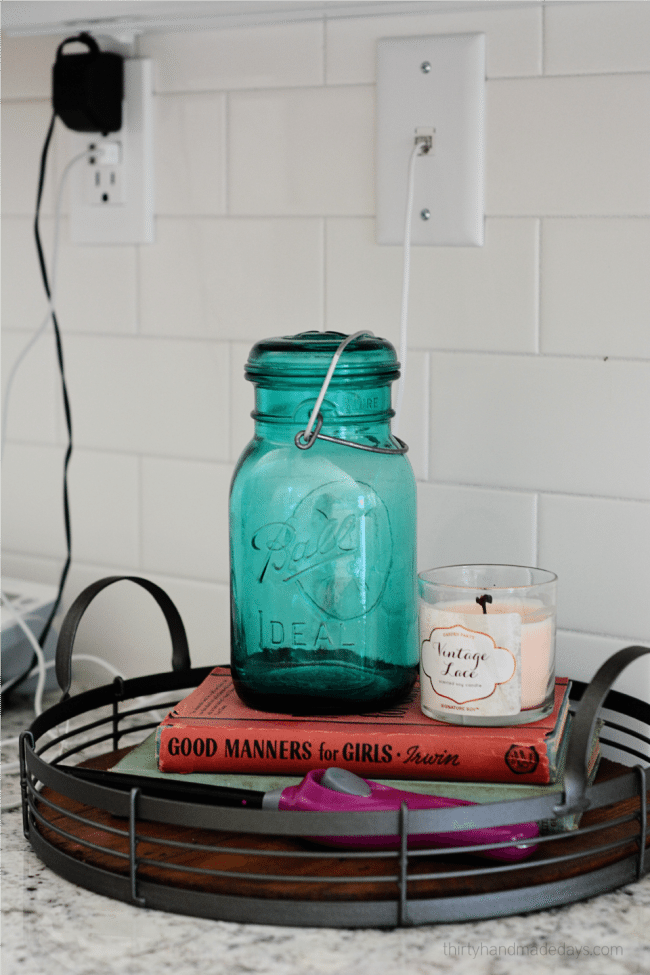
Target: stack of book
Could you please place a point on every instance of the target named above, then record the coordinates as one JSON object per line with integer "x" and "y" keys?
{"x": 211, "y": 737}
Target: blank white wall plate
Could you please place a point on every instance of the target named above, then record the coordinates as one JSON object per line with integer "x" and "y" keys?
{"x": 449, "y": 95}
{"x": 128, "y": 217}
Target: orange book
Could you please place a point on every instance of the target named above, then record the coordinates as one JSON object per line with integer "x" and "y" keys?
{"x": 212, "y": 730}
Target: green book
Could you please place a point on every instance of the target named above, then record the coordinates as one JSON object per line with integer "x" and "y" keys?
{"x": 142, "y": 761}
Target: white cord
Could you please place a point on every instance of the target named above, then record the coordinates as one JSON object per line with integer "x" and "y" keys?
{"x": 40, "y": 669}
{"x": 42, "y": 666}
{"x": 51, "y": 309}
{"x": 38, "y": 696}
{"x": 422, "y": 146}
{"x": 38, "y": 333}
{"x": 418, "y": 149}
{"x": 7, "y": 767}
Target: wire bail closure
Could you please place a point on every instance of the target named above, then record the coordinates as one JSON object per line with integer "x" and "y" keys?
{"x": 306, "y": 438}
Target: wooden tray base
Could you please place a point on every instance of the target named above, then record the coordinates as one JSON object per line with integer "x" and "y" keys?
{"x": 358, "y": 879}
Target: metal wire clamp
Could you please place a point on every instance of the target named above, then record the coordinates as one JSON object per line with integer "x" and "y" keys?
{"x": 306, "y": 438}
{"x": 304, "y": 441}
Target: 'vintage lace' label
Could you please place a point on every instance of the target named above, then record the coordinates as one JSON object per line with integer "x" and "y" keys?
{"x": 470, "y": 664}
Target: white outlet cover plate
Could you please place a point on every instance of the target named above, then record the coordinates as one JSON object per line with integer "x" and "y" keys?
{"x": 131, "y": 220}
{"x": 450, "y": 97}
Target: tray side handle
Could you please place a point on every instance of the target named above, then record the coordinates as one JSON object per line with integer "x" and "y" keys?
{"x": 63, "y": 663}
{"x": 575, "y": 778}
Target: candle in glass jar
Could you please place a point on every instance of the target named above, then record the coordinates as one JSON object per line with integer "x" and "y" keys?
{"x": 487, "y": 651}
{"x": 536, "y": 642}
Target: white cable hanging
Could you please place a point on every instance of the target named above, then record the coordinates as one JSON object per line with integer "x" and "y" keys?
{"x": 421, "y": 147}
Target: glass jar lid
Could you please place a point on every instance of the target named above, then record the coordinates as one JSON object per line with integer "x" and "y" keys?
{"x": 307, "y": 356}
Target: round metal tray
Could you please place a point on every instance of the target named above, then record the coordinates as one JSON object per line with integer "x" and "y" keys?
{"x": 259, "y": 866}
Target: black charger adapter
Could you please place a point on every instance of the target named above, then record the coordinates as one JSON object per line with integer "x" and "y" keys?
{"x": 87, "y": 89}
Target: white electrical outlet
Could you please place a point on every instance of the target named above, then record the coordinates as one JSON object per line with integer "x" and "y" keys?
{"x": 431, "y": 83}
{"x": 112, "y": 191}
{"x": 105, "y": 181}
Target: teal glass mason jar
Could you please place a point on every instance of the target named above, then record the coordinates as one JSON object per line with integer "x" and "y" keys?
{"x": 322, "y": 533}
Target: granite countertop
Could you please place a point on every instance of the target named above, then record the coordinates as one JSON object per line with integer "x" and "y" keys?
{"x": 50, "y": 925}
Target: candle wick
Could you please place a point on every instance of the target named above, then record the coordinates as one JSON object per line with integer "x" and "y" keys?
{"x": 482, "y": 600}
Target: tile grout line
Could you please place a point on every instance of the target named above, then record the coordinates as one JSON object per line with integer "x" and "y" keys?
{"x": 225, "y": 339}
{"x": 324, "y": 52}
{"x": 538, "y": 315}
{"x": 140, "y": 511}
{"x": 231, "y": 403}
{"x": 324, "y": 273}
{"x": 427, "y": 415}
{"x": 227, "y": 127}
{"x": 531, "y": 492}
{"x": 276, "y": 215}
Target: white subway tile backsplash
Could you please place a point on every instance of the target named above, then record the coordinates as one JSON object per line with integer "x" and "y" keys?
{"x": 150, "y": 396}
{"x": 460, "y": 525}
{"x": 21, "y": 566}
{"x": 205, "y": 611}
{"x": 595, "y": 287}
{"x": 33, "y": 395}
{"x": 568, "y": 146}
{"x": 514, "y": 40}
{"x": 96, "y": 287}
{"x": 270, "y": 56}
{"x": 460, "y": 297}
{"x": 24, "y": 303}
{"x": 27, "y": 65}
{"x": 190, "y": 157}
{"x": 413, "y": 424}
{"x": 83, "y": 281}
{"x": 242, "y": 400}
{"x": 126, "y": 627}
{"x": 302, "y": 151}
{"x": 594, "y": 38}
{"x": 104, "y": 490}
{"x": 185, "y": 518}
{"x": 599, "y": 550}
{"x": 541, "y": 423}
{"x": 264, "y": 172}
{"x": 363, "y": 281}
{"x": 579, "y": 655}
{"x": 24, "y": 127}
{"x": 229, "y": 279}
{"x": 32, "y": 506}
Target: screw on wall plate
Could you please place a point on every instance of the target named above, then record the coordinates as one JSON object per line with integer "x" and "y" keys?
{"x": 425, "y": 214}
{"x": 425, "y": 67}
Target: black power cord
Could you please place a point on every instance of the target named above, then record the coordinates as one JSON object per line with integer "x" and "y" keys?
{"x": 87, "y": 94}
{"x": 64, "y": 389}
{"x": 16, "y": 681}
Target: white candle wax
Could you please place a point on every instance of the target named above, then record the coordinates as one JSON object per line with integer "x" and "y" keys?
{"x": 537, "y": 640}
